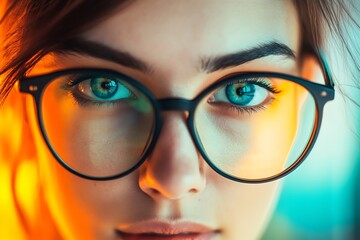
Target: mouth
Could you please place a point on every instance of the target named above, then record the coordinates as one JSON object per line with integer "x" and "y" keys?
{"x": 160, "y": 230}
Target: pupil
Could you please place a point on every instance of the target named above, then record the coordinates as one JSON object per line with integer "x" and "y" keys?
{"x": 240, "y": 94}
{"x": 239, "y": 91}
{"x": 107, "y": 85}
{"x": 247, "y": 89}
{"x": 103, "y": 88}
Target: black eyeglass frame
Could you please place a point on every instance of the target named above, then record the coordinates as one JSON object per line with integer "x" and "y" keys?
{"x": 35, "y": 86}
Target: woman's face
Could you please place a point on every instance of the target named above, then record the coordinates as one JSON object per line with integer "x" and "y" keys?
{"x": 174, "y": 194}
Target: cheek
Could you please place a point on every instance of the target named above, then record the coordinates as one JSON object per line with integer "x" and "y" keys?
{"x": 86, "y": 208}
{"x": 246, "y": 209}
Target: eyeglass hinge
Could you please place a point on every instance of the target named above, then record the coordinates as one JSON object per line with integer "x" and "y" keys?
{"x": 33, "y": 88}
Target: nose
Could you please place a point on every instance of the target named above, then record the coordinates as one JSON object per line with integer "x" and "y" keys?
{"x": 175, "y": 168}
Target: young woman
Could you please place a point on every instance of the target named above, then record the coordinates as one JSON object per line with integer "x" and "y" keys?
{"x": 159, "y": 119}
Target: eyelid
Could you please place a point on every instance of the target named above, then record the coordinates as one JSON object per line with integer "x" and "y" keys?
{"x": 263, "y": 83}
{"x": 260, "y": 81}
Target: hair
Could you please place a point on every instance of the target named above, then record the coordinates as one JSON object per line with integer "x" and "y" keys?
{"x": 34, "y": 28}
{"x": 31, "y": 29}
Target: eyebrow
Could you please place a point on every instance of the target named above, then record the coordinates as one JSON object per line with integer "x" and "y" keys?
{"x": 213, "y": 64}
{"x": 207, "y": 64}
{"x": 98, "y": 50}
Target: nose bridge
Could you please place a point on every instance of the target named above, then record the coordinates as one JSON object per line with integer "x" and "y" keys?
{"x": 173, "y": 168}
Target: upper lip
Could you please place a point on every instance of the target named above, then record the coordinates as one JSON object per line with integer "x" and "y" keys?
{"x": 163, "y": 227}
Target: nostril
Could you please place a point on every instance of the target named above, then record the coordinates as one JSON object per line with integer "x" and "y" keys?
{"x": 172, "y": 190}
{"x": 149, "y": 190}
{"x": 153, "y": 191}
{"x": 194, "y": 190}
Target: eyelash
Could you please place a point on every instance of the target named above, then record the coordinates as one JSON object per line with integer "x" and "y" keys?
{"x": 83, "y": 102}
{"x": 248, "y": 110}
{"x": 261, "y": 83}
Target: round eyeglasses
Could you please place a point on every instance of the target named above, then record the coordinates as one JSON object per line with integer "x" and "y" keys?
{"x": 249, "y": 127}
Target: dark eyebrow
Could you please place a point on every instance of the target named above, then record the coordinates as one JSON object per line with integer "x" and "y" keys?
{"x": 212, "y": 64}
{"x": 98, "y": 50}
{"x": 208, "y": 64}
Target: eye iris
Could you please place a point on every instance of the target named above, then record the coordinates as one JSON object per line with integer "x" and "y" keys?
{"x": 241, "y": 93}
{"x": 103, "y": 88}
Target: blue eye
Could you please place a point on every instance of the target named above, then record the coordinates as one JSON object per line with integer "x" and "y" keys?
{"x": 241, "y": 93}
{"x": 248, "y": 95}
{"x": 104, "y": 90}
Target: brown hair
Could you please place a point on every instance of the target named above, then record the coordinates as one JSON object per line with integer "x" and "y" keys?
{"x": 34, "y": 28}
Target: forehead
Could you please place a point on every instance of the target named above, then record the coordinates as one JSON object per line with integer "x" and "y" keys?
{"x": 203, "y": 25}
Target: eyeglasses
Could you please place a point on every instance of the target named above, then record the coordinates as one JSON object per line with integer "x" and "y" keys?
{"x": 249, "y": 127}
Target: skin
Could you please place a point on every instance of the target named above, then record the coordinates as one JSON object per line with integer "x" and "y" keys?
{"x": 174, "y": 183}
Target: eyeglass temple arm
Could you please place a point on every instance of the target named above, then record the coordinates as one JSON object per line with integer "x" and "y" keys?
{"x": 325, "y": 68}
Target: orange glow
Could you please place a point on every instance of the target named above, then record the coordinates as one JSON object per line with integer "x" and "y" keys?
{"x": 21, "y": 204}
{"x": 10, "y": 138}
{"x": 17, "y": 178}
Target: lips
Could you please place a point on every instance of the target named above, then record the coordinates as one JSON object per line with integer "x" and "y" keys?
{"x": 163, "y": 230}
